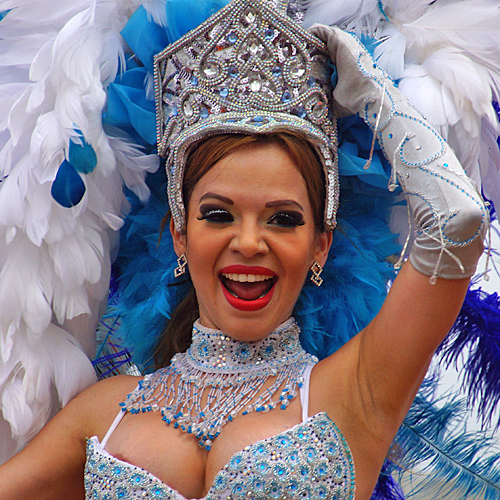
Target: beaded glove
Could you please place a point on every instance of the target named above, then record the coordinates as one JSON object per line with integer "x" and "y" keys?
{"x": 448, "y": 211}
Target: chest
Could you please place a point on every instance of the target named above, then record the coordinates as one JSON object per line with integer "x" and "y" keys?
{"x": 309, "y": 460}
{"x": 175, "y": 457}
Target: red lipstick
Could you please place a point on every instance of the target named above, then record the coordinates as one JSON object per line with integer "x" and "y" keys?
{"x": 239, "y": 269}
{"x": 247, "y": 305}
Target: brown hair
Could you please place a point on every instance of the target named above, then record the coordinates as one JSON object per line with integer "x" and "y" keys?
{"x": 201, "y": 158}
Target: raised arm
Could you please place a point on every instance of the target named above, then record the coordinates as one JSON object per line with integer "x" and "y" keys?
{"x": 385, "y": 363}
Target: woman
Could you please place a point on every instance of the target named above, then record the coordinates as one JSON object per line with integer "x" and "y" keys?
{"x": 250, "y": 222}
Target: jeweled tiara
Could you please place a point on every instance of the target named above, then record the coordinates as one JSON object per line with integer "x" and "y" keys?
{"x": 247, "y": 69}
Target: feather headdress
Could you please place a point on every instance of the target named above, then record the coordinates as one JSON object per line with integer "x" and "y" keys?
{"x": 62, "y": 204}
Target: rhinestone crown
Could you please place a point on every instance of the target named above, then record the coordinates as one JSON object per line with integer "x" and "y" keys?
{"x": 247, "y": 69}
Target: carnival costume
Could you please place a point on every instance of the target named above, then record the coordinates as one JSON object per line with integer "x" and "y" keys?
{"x": 248, "y": 69}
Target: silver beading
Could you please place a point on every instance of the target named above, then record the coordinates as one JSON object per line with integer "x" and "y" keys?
{"x": 248, "y": 69}
{"x": 229, "y": 375}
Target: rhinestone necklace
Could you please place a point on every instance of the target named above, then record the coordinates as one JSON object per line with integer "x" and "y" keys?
{"x": 228, "y": 375}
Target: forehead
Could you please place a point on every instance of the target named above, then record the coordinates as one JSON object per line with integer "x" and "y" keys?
{"x": 254, "y": 171}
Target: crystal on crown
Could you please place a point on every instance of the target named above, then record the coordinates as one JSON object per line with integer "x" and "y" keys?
{"x": 247, "y": 60}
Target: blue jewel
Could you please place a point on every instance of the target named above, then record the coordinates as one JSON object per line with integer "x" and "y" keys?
{"x": 204, "y": 113}
{"x": 269, "y": 34}
{"x": 302, "y": 113}
{"x": 224, "y": 92}
{"x": 311, "y": 81}
{"x": 233, "y": 72}
{"x": 277, "y": 71}
{"x": 232, "y": 38}
{"x": 194, "y": 81}
{"x": 286, "y": 98}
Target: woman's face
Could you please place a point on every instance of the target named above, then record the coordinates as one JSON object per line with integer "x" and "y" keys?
{"x": 250, "y": 241}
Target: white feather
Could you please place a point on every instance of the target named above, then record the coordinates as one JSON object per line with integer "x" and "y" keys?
{"x": 337, "y": 12}
{"x": 57, "y": 258}
{"x": 390, "y": 52}
{"x": 156, "y": 9}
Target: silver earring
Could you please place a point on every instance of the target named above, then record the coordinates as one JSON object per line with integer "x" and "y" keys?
{"x": 316, "y": 270}
{"x": 181, "y": 265}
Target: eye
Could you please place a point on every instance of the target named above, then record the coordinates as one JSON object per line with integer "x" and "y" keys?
{"x": 215, "y": 214}
{"x": 287, "y": 219}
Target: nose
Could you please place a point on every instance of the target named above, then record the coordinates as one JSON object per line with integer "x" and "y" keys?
{"x": 249, "y": 240}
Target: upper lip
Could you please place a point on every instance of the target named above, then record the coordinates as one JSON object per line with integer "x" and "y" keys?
{"x": 240, "y": 269}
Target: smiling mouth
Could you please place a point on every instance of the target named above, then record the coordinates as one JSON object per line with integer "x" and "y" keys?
{"x": 248, "y": 287}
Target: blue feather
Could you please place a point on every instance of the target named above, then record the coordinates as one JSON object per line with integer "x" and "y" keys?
{"x": 68, "y": 187}
{"x": 387, "y": 488}
{"x": 81, "y": 154}
{"x": 477, "y": 332}
{"x": 434, "y": 438}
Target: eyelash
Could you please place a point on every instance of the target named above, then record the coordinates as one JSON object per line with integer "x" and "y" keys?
{"x": 285, "y": 219}
{"x": 288, "y": 219}
{"x": 216, "y": 215}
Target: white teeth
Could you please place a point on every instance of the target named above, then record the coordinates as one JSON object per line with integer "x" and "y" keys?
{"x": 247, "y": 278}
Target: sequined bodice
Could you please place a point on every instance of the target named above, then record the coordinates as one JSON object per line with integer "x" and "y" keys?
{"x": 310, "y": 460}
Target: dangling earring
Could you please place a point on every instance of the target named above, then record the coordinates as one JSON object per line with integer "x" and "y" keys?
{"x": 181, "y": 265}
{"x": 316, "y": 270}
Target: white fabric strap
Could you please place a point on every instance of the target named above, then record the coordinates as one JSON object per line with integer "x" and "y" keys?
{"x": 114, "y": 425}
{"x": 304, "y": 392}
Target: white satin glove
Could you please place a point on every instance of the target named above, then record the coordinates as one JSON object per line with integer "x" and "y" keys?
{"x": 450, "y": 216}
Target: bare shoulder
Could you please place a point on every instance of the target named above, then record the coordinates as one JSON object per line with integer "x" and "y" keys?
{"x": 96, "y": 407}
{"x": 55, "y": 458}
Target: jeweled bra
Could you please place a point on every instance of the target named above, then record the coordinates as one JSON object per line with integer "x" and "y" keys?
{"x": 310, "y": 461}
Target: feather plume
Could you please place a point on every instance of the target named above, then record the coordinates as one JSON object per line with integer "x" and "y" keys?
{"x": 477, "y": 333}
{"x": 434, "y": 438}
{"x": 56, "y": 64}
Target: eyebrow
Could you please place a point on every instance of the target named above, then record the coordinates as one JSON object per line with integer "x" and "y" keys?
{"x": 217, "y": 197}
{"x": 270, "y": 204}
{"x": 284, "y": 203}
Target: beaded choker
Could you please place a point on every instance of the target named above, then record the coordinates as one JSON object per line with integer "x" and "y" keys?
{"x": 218, "y": 377}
